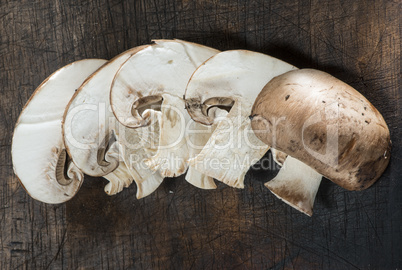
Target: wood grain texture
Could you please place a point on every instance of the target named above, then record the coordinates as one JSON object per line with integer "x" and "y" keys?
{"x": 179, "y": 226}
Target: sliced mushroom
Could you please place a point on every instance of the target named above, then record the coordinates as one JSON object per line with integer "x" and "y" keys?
{"x": 230, "y": 80}
{"x": 39, "y": 157}
{"x": 92, "y": 136}
{"x": 154, "y": 80}
{"x": 328, "y": 126}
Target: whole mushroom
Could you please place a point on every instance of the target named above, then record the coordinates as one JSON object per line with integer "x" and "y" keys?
{"x": 328, "y": 129}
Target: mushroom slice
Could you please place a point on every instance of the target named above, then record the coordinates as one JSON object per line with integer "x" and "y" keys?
{"x": 230, "y": 80}
{"x": 328, "y": 126}
{"x": 39, "y": 157}
{"x": 155, "y": 80}
{"x": 296, "y": 184}
{"x": 92, "y": 135}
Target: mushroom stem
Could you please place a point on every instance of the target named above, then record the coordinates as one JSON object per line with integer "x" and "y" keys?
{"x": 177, "y": 145}
{"x": 231, "y": 149}
{"x": 146, "y": 180}
{"x": 172, "y": 155}
{"x": 135, "y": 146}
{"x": 197, "y": 136}
{"x": 296, "y": 184}
{"x": 118, "y": 179}
{"x": 199, "y": 180}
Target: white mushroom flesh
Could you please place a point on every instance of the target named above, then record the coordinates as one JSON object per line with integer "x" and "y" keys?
{"x": 172, "y": 150}
{"x": 136, "y": 146}
{"x": 118, "y": 179}
{"x": 197, "y": 137}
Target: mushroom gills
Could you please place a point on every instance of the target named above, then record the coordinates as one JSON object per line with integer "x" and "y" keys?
{"x": 121, "y": 176}
{"x": 146, "y": 103}
{"x": 296, "y": 184}
{"x": 62, "y": 169}
{"x": 105, "y": 148}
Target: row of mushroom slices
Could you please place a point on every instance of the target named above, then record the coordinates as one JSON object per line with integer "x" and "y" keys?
{"x": 175, "y": 107}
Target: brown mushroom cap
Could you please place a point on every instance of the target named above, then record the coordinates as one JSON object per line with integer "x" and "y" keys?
{"x": 326, "y": 124}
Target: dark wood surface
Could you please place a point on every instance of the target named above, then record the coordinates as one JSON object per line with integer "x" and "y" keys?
{"x": 179, "y": 226}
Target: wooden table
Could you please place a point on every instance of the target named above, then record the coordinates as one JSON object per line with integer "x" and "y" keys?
{"x": 179, "y": 226}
